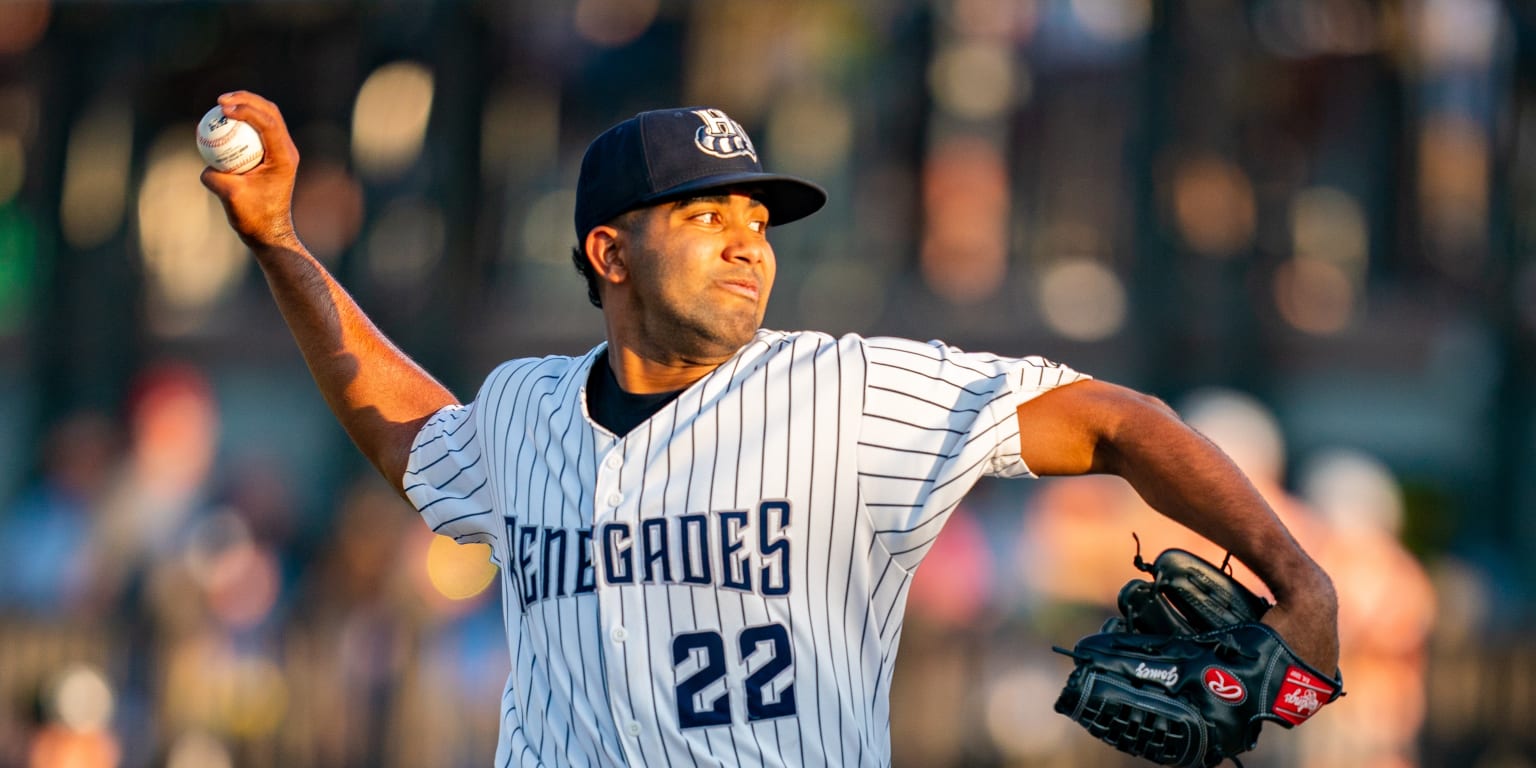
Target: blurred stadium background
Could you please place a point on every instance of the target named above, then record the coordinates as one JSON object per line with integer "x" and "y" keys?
{"x": 1308, "y": 224}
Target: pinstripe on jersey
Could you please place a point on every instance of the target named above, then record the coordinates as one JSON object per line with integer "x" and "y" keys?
{"x": 725, "y": 585}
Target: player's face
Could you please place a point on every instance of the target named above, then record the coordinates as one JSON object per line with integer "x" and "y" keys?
{"x": 701, "y": 270}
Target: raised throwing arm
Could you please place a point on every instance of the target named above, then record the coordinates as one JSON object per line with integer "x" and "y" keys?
{"x": 380, "y": 396}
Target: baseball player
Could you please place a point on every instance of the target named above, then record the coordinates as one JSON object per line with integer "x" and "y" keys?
{"x": 706, "y": 530}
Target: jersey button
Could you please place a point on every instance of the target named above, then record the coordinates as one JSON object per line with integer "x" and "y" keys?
{"x": 619, "y": 634}
{"x": 614, "y": 460}
{"x": 615, "y": 499}
{"x": 633, "y": 727}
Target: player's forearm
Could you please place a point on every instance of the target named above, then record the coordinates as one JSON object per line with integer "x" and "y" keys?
{"x": 1190, "y": 480}
{"x": 380, "y": 396}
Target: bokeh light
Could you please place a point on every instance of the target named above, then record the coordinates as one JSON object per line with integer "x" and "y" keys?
{"x": 1454, "y": 33}
{"x": 198, "y": 749}
{"x": 18, "y": 267}
{"x": 956, "y": 586}
{"x": 1013, "y": 721}
{"x": 1314, "y": 296}
{"x": 1354, "y": 491}
{"x": 974, "y": 79}
{"x": 1319, "y": 289}
{"x": 1213, "y": 205}
{"x": 239, "y": 579}
{"x": 256, "y": 697}
{"x": 459, "y": 571}
{"x": 96, "y": 174}
{"x": 1016, "y": 19}
{"x": 174, "y": 426}
{"x": 22, "y": 24}
{"x": 1453, "y": 163}
{"x": 1082, "y": 299}
{"x": 327, "y": 209}
{"x": 965, "y": 218}
{"x": 389, "y": 119}
{"x": 58, "y": 746}
{"x": 82, "y": 698}
{"x": 1114, "y": 21}
{"x": 13, "y": 165}
{"x": 613, "y": 23}
{"x": 1329, "y": 224}
{"x": 212, "y": 685}
{"x": 192, "y": 257}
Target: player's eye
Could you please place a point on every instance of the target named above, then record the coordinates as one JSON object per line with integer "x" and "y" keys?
{"x": 760, "y": 225}
{"x": 707, "y": 217}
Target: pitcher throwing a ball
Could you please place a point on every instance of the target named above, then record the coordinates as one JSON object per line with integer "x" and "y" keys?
{"x": 706, "y": 529}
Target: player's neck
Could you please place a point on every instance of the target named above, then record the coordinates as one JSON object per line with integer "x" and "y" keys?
{"x": 642, "y": 374}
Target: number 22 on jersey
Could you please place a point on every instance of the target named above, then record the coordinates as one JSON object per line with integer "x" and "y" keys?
{"x": 766, "y": 653}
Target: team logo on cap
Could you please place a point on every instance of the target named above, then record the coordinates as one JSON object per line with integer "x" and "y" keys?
{"x": 721, "y": 136}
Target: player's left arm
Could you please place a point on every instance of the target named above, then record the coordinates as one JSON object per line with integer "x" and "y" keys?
{"x": 1092, "y": 427}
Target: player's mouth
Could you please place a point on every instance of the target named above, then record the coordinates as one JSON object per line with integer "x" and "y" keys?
{"x": 741, "y": 287}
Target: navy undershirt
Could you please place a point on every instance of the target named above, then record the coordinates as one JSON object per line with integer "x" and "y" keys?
{"x": 616, "y": 410}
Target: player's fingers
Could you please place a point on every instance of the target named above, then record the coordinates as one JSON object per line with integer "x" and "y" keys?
{"x": 267, "y": 119}
{"x": 218, "y": 183}
{"x": 263, "y": 109}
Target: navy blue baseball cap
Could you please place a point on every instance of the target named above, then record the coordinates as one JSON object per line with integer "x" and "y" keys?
{"x": 669, "y": 154}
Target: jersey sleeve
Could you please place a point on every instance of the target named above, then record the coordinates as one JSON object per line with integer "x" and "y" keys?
{"x": 937, "y": 419}
{"x": 446, "y": 477}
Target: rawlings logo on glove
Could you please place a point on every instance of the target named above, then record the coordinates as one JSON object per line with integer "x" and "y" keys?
{"x": 1187, "y": 675}
{"x": 1224, "y": 686}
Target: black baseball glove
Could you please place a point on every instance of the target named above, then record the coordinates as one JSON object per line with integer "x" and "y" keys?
{"x": 1187, "y": 675}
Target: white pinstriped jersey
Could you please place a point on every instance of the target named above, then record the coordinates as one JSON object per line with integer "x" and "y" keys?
{"x": 725, "y": 584}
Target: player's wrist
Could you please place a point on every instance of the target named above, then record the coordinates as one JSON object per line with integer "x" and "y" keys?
{"x": 1304, "y": 582}
{"x": 279, "y": 237}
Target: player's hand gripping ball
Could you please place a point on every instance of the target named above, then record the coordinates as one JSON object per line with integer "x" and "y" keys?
{"x": 227, "y": 144}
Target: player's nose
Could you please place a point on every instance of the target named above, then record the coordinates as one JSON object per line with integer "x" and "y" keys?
{"x": 744, "y": 245}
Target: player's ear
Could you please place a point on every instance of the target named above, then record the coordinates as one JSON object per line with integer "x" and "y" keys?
{"x": 605, "y": 252}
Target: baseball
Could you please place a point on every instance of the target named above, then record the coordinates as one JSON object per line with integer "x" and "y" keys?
{"x": 229, "y": 145}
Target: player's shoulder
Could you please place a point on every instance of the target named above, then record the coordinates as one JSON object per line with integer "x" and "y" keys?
{"x": 519, "y": 373}
{"x": 910, "y": 353}
{"x": 937, "y": 357}
{"x": 804, "y": 343}
{"x": 864, "y": 347}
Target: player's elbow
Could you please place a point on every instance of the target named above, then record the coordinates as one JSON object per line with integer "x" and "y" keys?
{"x": 1132, "y": 424}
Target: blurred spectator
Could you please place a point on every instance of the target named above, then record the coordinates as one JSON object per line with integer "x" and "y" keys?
{"x": 44, "y": 535}
{"x": 173, "y": 425}
{"x": 1386, "y": 611}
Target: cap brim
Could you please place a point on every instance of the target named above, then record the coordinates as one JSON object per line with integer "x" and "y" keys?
{"x": 788, "y": 198}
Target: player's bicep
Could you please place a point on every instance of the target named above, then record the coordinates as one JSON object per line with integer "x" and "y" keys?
{"x": 1070, "y": 430}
